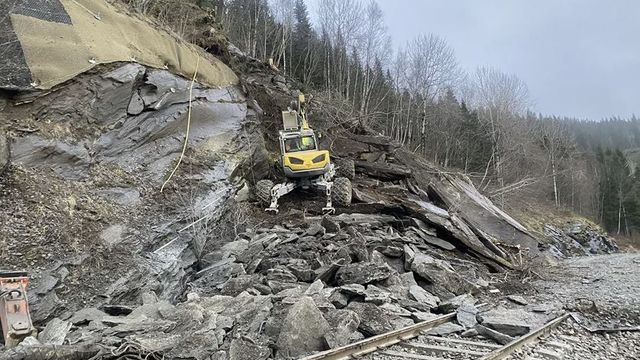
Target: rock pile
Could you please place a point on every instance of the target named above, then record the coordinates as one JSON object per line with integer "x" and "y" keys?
{"x": 289, "y": 291}
{"x": 578, "y": 239}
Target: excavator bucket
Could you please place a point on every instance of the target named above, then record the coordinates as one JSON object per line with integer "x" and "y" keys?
{"x": 14, "y": 308}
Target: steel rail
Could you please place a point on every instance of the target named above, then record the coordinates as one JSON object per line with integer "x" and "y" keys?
{"x": 377, "y": 342}
{"x": 516, "y": 344}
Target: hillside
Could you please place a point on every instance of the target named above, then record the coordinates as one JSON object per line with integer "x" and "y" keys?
{"x": 127, "y": 182}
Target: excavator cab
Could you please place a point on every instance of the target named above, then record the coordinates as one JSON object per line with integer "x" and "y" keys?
{"x": 303, "y": 164}
{"x": 300, "y": 155}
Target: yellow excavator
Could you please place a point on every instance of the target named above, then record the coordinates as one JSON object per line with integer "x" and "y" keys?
{"x": 303, "y": 164}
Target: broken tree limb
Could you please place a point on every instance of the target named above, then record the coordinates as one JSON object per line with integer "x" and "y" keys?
{"x": 387, "y": 172}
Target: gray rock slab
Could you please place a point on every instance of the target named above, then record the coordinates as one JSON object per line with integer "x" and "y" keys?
{"x": 303, "y": 330}
{"x": 512, "y": 322}
{"x": 466, "y": 315}
{"x": 87, "y": 315}
{"x": 446, "y": 329}
{"x": 454, "y": 303}
{"x": 420, "y": 316}
{"x": 112, "y": 235}
{"x": 353, "y": 289}
{"x": 242, "y": 349}
{"x": 54, "y": 332}
{"x": 121, "y": 196}
{"x": 376, "y": 295}
{"x": 373, "y": 320}
{"x": 46, "y": 283}
{"x": 362, "y": 273}
{"x": 343, "y": 323}
{"x": 499, "y": 337}
{"x": 423, "y": 296}
{"x": 518, "y": 299}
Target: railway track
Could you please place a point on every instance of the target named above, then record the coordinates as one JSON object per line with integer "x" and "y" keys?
{"x": 414, "y": 342}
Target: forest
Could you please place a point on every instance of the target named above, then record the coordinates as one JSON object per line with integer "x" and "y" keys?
{"x": 478, "y": 122}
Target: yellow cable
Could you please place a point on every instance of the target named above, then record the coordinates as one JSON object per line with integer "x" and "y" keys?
{"x": 186, "y": 137}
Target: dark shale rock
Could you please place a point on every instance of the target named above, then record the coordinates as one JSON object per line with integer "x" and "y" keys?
{"x": 374, "y": 294}
{"x": 423, "y": 296}
{"x": 330, "y": 225}
{"x": 499, "y": 337}
{"x": 338, "y": 299}
{"x": 55, "y": 332}
{"x": 315, "y": 230}
{"x": 362, "y": 273}
{"x": 373, "y": 320}
{"x": 353, "y": 289}
{"x": 454, "y": 303}
{"x": 439, "y": 273}
{"x": 236, "y": 285}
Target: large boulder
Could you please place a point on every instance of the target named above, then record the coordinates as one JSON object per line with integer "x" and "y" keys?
{"x": 423, "y": 296}
{"x": 303, "y": 330}
{"x": 512, "y": 322}
{"x": 362, "y": 273}
{"x": 439, "y": 273}
{"x": 373, "y": 320}
{"x": 343, "y": 324}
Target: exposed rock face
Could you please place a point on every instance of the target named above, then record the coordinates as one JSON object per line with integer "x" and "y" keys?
{"x": 67, "y": 160}
{"x": 303, "y": 330}
{"x": 147, "y": 139}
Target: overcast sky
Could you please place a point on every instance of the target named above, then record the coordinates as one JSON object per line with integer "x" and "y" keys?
{"x": 579, "y": 58}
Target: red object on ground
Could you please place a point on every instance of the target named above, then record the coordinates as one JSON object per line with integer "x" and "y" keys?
{"x": 14, "y": 308}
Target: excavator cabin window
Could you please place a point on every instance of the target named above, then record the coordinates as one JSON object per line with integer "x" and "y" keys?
{"x": 303, "y": 143}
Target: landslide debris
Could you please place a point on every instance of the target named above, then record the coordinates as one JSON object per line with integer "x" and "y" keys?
{"x": 199, "y": 271}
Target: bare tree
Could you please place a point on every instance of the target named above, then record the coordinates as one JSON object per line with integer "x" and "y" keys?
{"x": 432, "y": 67}
{"x": 283, "y": 11}
{"x": 376, "y": 45}
{"x": 499, "y": 97}
{"x": 342, "y": 22}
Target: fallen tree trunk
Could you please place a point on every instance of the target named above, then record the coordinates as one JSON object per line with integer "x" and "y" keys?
{"x": 386, "y": 172}
{"x": 456, "y": 229}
